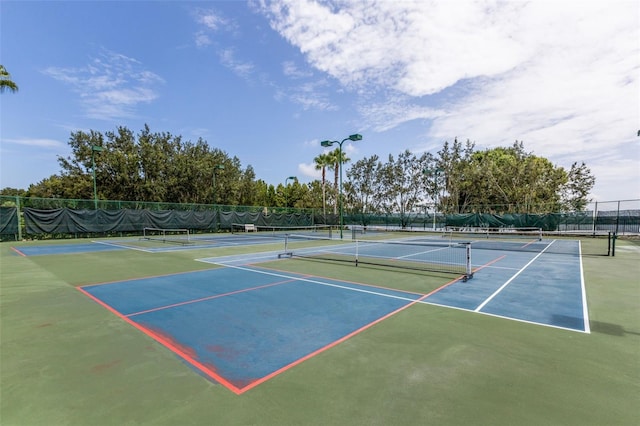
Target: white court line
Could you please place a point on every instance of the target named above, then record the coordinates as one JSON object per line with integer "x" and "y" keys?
{"x": 426, "y": 302}
{"x": 495, "y": 293}
{"x": 422, "y": 252}
{"x": 121, "y": 246}
{"x": 585, "y": 310}
{"x": 244, "y": 258}
{"x": 296, "y": 278}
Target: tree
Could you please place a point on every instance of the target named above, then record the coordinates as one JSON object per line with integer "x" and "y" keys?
{"x": 149, "y": 166}
{"x": 403, "y": 181}
{"x": 336, "y": 158}
{"x": 574, "y": 193}
{"x": 323, "y": 161}
{"x": 451, "y": 179}
{"x": 364, "y": 188}
{"x": 5, "y": 81}
{"x": 501, "y": 180}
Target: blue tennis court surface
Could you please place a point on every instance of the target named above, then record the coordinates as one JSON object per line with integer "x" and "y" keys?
{"x": 196, "y": 242}
{"x": 241, "y": 326}
{"x": 539, "y": 282}
{"x": 64, "y": 249}
{"x": 544, "y": 287}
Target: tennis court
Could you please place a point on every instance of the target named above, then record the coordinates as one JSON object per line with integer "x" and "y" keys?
{"x": 241, "y": 324}
{"x": 311, "y": 338}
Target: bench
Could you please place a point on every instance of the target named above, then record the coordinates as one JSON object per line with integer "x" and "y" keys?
{"x": 249, "y": 227}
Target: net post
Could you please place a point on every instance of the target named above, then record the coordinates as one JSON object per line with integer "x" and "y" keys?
{"x": 286, "y": 248}
{"x": 468, "y": 271}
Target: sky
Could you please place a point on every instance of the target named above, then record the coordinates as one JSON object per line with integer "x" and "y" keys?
{"x": 267, "y": 81}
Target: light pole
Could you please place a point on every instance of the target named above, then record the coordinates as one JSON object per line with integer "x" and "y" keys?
{"x": 213, "y": 187}
{"x": 434, "y": 173}
{"x": 355, "y": 137}
{"x": 94, "y": 149}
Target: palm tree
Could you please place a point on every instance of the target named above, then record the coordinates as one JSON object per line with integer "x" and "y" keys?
{"x": 5, "y": 81}
{"x": 335, "y": 160}
{"x": 322, "y": 162}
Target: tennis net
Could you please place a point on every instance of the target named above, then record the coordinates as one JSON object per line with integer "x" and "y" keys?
{"x": 166, "y": 235}
{"x": 507, "y": 239}
{"x": 532, "y": 240}
{"x": 432, "y": 256}
{"x": 324, "y": 231}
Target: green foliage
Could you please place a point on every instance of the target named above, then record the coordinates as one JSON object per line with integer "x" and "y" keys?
{"x": 161, "y": 167}
{"x": 397, "y": 186}
{"x": 151, "y": 166}
{"x": 462, "y": 180}
{"x": 510, "y": 177}
{"x": 575, "y": 191}
{"x": 364, "y": 190}
{"x": 5, "y": 81}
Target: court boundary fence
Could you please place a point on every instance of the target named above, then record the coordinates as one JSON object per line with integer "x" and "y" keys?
{"x": 49, "y": 218}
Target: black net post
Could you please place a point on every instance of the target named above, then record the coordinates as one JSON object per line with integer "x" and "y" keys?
{"x": 613, "y": 244}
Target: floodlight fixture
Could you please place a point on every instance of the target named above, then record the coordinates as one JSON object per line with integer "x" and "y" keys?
{"x": 355, "y": 137}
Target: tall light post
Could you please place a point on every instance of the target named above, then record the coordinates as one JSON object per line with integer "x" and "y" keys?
{"x": 355, "y": 137}
{"x": 434, "y": 173}
{"x": 213, "y": 187}
{"x": 94, "y": 149}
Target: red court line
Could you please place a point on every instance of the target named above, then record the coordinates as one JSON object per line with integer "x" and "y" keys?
{"x": 490, "y": 263}
{"x": 187, "y": 357}
{"x": 346, "y": 337}
{"x": 210, "y": 297}
{"x": 218, "y": 378}
{"x": 441, "y": 287}
{"x": 18, "y": 251}
{"x": 124, "y": 280}
{"x": 329, "y": 346}
{"x": 529, "y": 243}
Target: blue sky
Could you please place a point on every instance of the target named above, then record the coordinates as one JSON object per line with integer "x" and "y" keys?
{"x": 266, "y": 81}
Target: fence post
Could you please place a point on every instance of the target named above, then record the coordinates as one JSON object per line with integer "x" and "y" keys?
{"x": 613, "y": 245}
{"x": 19, "y": 213}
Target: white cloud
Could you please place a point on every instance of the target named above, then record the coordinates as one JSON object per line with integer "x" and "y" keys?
{"x": 40, "y": 143}
{"x": 309, "y": 170}
{"x": 416, "y": 47}
{"x": 561, "y": 76}
{"x": 290, "y": 69}
{"x": 240, "y": 68}
{"x": 110, "y": 86}
{"x": 210, "y": 19}
{"x": 202, "y": 39}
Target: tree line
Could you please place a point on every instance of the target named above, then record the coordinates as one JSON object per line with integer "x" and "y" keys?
{"x": 460, "y": 179}
{"x": 161, "y": 167}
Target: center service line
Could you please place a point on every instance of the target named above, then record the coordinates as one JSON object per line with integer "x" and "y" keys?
{"x": 512, "y": 278}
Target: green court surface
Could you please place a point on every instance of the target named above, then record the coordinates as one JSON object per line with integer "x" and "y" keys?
{"x": 65, "y": 360}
